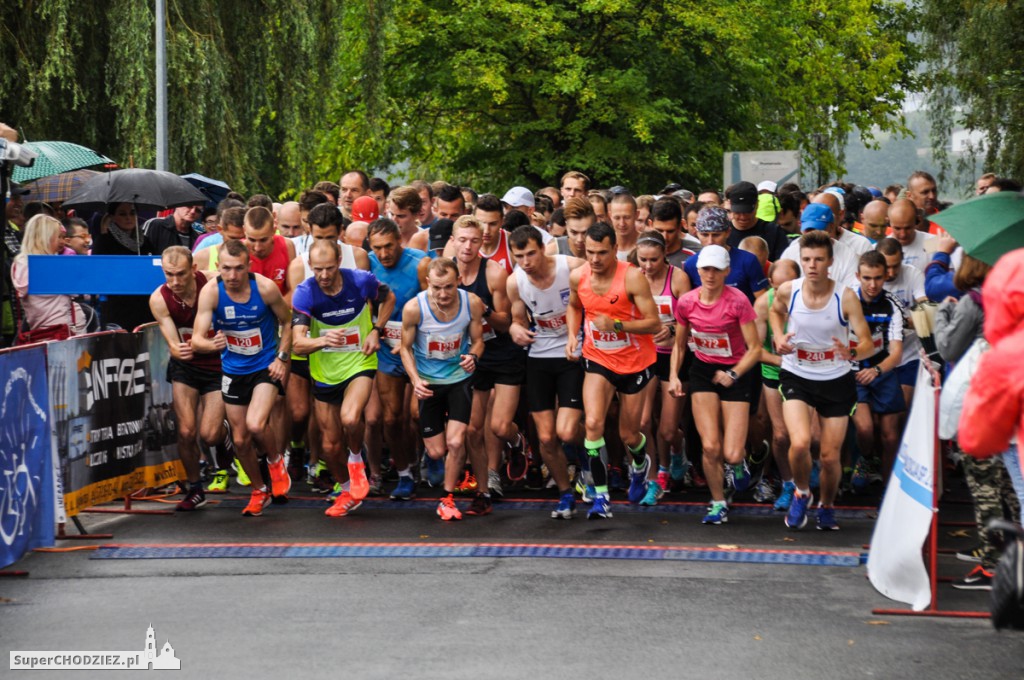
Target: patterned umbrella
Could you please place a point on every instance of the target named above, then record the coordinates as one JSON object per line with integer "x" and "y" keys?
{"x": 56, "y": 158}
{"x": 57, "y": 188}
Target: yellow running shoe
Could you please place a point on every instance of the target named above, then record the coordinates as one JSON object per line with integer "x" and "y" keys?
{"x": 242, "y": 478}
{"x": 219, "y": 483}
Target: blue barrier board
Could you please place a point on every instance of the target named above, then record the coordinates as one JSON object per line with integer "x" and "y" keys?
{"x": 93, "y": 274}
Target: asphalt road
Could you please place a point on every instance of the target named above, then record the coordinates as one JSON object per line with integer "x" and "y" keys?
{"x": 492, "y": 617}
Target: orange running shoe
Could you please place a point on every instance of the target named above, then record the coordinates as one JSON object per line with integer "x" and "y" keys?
{"x": 447, "y": 510}
{"x": 468, "y": 485}
{"x": 257, "y": 501}
{"x": 343, "y": 505}
{"x": 280, "y": 480}
{"x": 359, "y": 485}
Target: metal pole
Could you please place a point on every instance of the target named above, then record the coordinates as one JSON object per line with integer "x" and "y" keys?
{"x": 161, "y": 86}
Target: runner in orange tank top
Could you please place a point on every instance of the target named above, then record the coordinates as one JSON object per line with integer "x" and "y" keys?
{"x": 612, "y": 302}
{"x": 270, "y": 254}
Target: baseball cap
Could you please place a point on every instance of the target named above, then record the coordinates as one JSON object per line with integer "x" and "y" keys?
{"x": 815, "y": 216}
{"x": 713, "y": 256}
{"x": 671, "y": 188}
{"x": 838, "y": 193}
{"x": 518, "y": 197}
{"x": 767, "y": 185}
{"x": 875, "y": 192}
{"x": 712, "y": 219}
{"x": 743, "y": 197}
{"x": 365, "y": 209}
{"x": 440, "y": 233}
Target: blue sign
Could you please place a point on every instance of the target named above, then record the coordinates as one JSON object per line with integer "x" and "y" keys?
{"x": 94, "y": 274}
{"x": 26, "y": 464}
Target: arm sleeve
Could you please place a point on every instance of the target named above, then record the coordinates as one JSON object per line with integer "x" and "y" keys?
{"x": 938, "y": 279}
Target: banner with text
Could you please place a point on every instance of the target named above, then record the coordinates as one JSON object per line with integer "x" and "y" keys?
{"x": 26, "y": 473}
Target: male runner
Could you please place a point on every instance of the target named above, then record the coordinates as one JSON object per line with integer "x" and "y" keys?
{"x": 395, "y": 266}
{"x": 442, "y": 340}
{"x": 332, "y": 324}
{"x": 194, "y": 378}
{"x": 270, "y": 253}
{"x": 612, "y": 302}
{"x": 810, "y": 320}
{"x": 249, "y": 313}
{"x": 539, "y": 290}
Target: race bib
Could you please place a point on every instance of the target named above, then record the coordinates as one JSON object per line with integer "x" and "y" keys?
{"x": 824, "y": 357}
{"x": 711, "y": 344}
{"x": 246, "y": 343}
{"x": 550, "y": 324}
{"x": 488, "y": 332}
{"x": 185, "y": 333}
{"x": 608, "y": 339}
{"x": 664, "y": 304}
{"x": 444, "y": 347}
{"x": 392, "y": 334}
{"x": 351, "y": 341}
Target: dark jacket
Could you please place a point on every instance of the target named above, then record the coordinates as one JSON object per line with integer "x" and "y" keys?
{"x": 161, "y": 234}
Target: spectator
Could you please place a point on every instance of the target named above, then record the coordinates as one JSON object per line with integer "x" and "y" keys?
{"x": 120, "y": 236}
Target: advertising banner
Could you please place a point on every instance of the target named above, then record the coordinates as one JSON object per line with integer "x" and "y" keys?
{"x": 26, "y": 480}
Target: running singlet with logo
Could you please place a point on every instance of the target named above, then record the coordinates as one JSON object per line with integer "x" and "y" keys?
{"x": 502, "y": 255}
{"x": 499, "y": 347}
{"x": 547, "y": 307}
{"x": 348, "y": 312}
{"x": 250, "y": 328}
{"x": 275, "y": 266}
{"x": 716, "y": 333}
{"x": 815, "y": 356}
{"x": 184, "y": 318}
{"x": 440, "y": 344}
{"x": 884, "y": 315}
{"x": 618, "y": 351}
{"x": 404, "y": 282}
{"x": 666, "y": 304}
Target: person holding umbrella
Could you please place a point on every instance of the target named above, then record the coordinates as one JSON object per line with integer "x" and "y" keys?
{"x": 119, "y": 235}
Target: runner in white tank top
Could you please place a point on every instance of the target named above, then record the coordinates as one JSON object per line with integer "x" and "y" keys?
{"x": 811, "y": 319}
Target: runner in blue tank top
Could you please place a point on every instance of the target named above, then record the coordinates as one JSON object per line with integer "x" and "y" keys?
{"x": 248, "y": 312}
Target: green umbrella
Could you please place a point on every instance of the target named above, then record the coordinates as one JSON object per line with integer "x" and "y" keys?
{"x": 56, "y": 158}
{"x": 987, "y": 226}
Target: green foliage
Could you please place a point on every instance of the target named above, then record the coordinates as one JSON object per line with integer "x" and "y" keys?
{"x": 277, "y": 94}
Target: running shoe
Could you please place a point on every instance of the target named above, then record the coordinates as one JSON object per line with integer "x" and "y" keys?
{"x": 257, "y": 501}
{"x": 615, "y": 479}
{"x": 601, "y": 509}
{"x": 785, "y": 498}
{"x": 741, "y": 477}
{"x": 447, "y": 510}
{"x": 468, "y": 485}
{"x": 194, "y": 499}
{"x": 219, "y": 483}
{"x": 972, "y": 555}
{"x": 652, "y": 494}
{"x": 241, "y": 477}
{"x": 376, "y": 485}
{"x": 534, "y": 478}
{"x": 588, "y": 494}
{"x": 518, "y": 461}
{"x": 664, "y": 482}
{"x": 323, "y": 483}
{"x": 359, "y": 485}
{"x": 796, "y": 518}
{"x": 815, "y": 475}
{"x": 978, "y": 578}
{"x": 638, "y": 481}
{"x": 494, "y": 485}
{"x": 280, "y": 482}
{"x": 697, "y": 480}
{"x": 479, "y": 506}
{"x": 718, "y": 513}
{"x": 435, "y": 472}
{"x": 343, "y": 505}
{"x": 763, "y": 491}
{"x": 566, "y": 507}
{"x": 827, "y": 519}
{"x": 335, "y": 491}
{"x": 677, "y": 466}
{"x": 405, "y": 490}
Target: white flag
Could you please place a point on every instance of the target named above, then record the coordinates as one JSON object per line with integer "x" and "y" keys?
{"x": 896, "y": 564}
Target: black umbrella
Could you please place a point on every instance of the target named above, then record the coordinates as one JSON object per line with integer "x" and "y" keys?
{"x": 147, "y": 189}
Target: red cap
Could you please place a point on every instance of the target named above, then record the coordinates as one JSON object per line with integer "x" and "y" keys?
{"x": 365, "y": 209}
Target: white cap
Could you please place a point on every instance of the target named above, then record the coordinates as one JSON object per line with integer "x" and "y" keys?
{"x": 518, "y": 197}
{"x": 767, "y": 185}
{"x": 713, "y": 256}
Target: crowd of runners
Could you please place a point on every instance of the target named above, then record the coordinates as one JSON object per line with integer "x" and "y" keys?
{"x": 366, "y": 340}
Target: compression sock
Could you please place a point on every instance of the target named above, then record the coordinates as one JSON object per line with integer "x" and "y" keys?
{"x": 597, "y": 453}
{"x": 639, "y": 452}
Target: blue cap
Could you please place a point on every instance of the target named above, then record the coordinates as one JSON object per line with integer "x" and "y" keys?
{"x": 876, "y": 192}
{"x": 816, "y": 216}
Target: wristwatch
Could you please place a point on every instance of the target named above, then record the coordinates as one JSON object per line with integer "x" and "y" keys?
{"x": 380, "y": 331}
{"x": 284, "y": 356}
{"x": 853, "y": 352}
{"x": 487, "y": 312}
{"x": 878, "y": 369}
{"x": 476, "y": 359}
{"x": 617, "y": 325}
{"x": 732, "y": 374}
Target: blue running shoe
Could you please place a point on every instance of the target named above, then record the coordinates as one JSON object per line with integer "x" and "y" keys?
{"x": 601, "y": 509}
{"x": 796, "y": 518}
{"x": 435, "y": 472}
{"x": 718, "y": 513}
{"x": 815, "y": 475}
{"x": 566, "y": 507}
{"x": 638, "y": 481}
{"x": 677, "y": 467}
{"x": 654, "y": 492}
{"x": 860, "y": 479}
{"x": 405, "y": 490}
{"x": 786, "y": 497}
{"x": 741, "y": 477}
{"x": 827, "y": 519}
{"x": 588, "y": 493}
